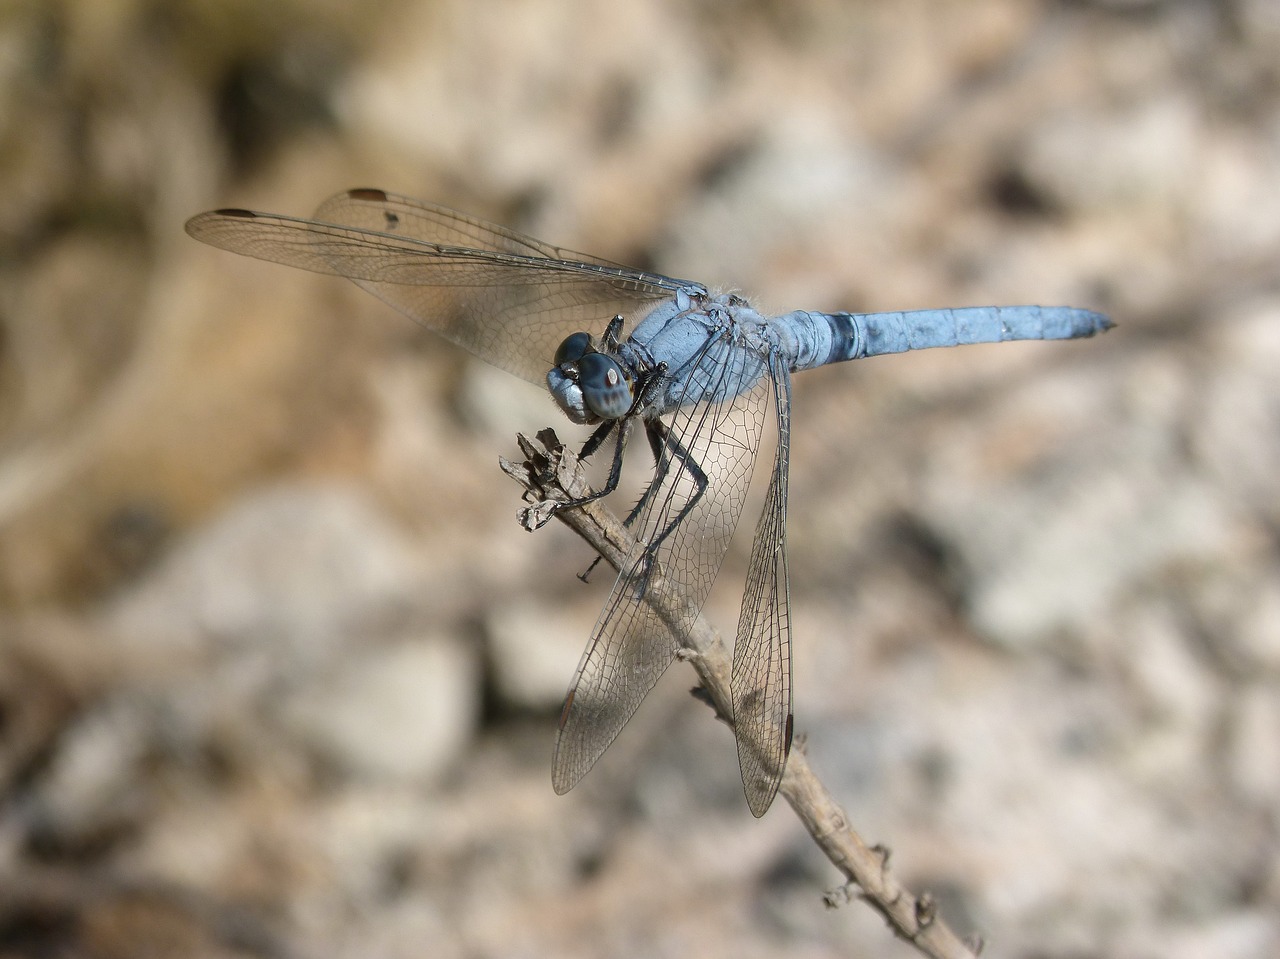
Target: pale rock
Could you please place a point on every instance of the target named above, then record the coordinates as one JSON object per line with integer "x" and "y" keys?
{"x": 290, "y": 566}
{"x": 92, "y": 780}
{"x": 1097, "y": 161}
{"x": 1254, "y": 750}
{"x": 534, "y": 649}
{"x": 402, "y": 711}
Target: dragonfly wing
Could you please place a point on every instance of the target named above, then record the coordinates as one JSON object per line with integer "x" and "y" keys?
{"x": 762, "y": 650}
{"x": 507, "y": 298}
{"x": 383, "y": 212}
{"x": 682, "y": 538}
{"x": 630, "y": 648}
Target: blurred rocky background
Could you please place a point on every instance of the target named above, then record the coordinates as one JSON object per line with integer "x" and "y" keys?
{"x": 279, "y": 671}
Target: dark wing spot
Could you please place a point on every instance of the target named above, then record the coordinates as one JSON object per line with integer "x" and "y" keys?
{"x": 564, "y": 711}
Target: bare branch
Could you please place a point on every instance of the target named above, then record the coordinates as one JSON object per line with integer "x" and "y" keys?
{"x": 552, "y": 474}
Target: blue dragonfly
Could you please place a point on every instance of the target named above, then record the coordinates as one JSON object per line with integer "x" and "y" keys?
{"x": 702, "y": 374}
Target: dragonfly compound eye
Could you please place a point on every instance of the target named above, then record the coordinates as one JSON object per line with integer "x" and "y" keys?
{"x": 606, "y": 391}
{"x": 573, "y": 348}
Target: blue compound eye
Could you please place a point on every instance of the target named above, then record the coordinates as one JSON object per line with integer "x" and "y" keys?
{"x": 573, "y": 348}
{"x": 605, "y": 390}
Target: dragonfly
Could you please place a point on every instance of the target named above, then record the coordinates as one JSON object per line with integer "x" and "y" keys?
{"x": 703, "y": 375}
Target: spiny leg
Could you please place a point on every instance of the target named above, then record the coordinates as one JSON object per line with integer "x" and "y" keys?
{"x": 612, "y": 333}
{"x": 593, "y": 443}
{"x": 654, "y": 430}
{"x": 662, "y": 440}
{"x": 666, "y": 438}
{"x": 597, "y": 438}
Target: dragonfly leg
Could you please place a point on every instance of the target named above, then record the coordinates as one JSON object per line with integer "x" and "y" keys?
{"x": 615, "y": 470}
{"x": 656, "y": 433}
{"x": 612, "y": 334}
{"x": 666, "y": 440}
{"x": 657, "y": 446}
{"x": 597, "y": 438}
{"x": 667, "y": 450}
{"x": 593, "y": 443}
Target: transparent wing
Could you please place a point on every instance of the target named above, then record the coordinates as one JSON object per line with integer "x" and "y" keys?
{"x": 632, "y": 643}
{"x": 506, "y": 297}
{"x": 762, "y": 651}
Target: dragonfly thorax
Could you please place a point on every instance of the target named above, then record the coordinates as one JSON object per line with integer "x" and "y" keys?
{"x": 590, "y": 386}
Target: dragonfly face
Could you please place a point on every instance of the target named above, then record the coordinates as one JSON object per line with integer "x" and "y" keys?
{"x": 589, "y": 385}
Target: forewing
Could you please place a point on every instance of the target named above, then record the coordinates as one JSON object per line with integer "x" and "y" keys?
{"x": 762, "y": 651}
{"x": 634, "y": 641}
{"x": 508, "y": 298}
{"x": 383, "y": 212}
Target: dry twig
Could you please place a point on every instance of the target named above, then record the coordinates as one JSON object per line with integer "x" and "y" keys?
{"x": 552, "y": 474}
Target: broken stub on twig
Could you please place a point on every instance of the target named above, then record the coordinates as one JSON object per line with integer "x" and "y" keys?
{"x": 551, "y": 474}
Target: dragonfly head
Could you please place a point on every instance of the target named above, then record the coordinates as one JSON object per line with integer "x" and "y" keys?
{"x": 588, "y": 385}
